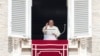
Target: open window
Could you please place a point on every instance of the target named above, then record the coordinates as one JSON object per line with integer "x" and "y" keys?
{"x": 19, "y": 22}
{"x": 79, "y": 18}
{"x": 45, "y": 10}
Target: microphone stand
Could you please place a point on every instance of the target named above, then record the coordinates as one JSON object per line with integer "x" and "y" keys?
{"x": 64, "y": 29}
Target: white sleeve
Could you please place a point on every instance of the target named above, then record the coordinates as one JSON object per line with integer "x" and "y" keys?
{"x": 43, "y": 29}
{"x": 57, "y": 32}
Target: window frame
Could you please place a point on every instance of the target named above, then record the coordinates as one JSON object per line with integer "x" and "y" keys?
{"x": 71, "y": 19}
{"x": 27, "y": 18}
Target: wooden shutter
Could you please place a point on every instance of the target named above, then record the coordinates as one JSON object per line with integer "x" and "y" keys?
{"x": 81, "y": 18}
{"x": 20, "y": 18}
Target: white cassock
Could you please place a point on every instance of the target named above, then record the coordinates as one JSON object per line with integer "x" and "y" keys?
{"x": 48, "y": 33}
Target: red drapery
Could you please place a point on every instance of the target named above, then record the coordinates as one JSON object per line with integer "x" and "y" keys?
{"x": 50, "y": 47}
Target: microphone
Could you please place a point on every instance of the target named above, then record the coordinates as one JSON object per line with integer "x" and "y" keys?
{"x": 64, "y": 29}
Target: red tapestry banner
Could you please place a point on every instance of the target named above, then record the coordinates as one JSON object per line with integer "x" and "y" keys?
{"x": 50, "y": 47}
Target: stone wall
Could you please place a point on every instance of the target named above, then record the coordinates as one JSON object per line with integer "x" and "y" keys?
{"x": 3, "y": 28}
{"x": 96, "y": 27}
{"x": 95, "y": 30}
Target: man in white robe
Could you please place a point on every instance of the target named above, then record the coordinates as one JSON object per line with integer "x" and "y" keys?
{"x": 50, "y": 31}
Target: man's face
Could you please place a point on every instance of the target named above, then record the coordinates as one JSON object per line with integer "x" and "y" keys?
{"x": 51, "y": 22}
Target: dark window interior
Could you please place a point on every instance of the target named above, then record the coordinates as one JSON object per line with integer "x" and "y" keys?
{"x": 43, "y": 10}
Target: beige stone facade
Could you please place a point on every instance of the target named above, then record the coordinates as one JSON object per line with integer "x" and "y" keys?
{"x": 95, "y": 28}
{"x": 3, "y": 28}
